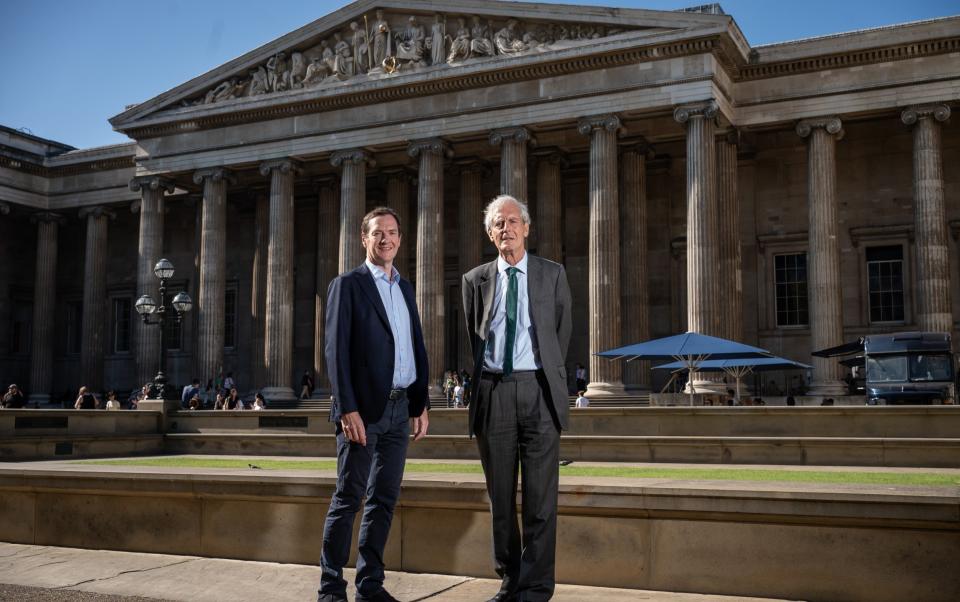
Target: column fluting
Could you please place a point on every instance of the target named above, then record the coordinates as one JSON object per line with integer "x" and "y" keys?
{"x": 44, "y": 306}
{"x": 93, "y": 341}
{"x": 934, "y": 309}
{"x": 353, "y": 202}
{"x": 258, "y": 286}
{"x": 824, "y": 290}
{"x": 398, "y": 199}
{"x": 513, "y": 143}
{"x": 604, "y": 253}
{"x": 549, "y": 207}
{"x": 328, "y": 242}
{"x": 431, "y": 300}
{"x": 470, "y": 237}
{"x": 213, "y": 240}
{"x": 728, "y": 222}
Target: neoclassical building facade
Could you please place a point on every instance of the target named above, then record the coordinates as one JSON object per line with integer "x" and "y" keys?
{"x": 790, "y": 196}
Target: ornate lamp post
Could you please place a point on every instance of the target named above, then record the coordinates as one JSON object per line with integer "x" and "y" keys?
{"x": 146, "y": 307}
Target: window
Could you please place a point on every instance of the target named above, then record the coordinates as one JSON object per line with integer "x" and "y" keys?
{"x": 121, "y": 325}
{"x": 74, "y": 326}
{"x": 230, "y": 319}
{"x": 885, "y": 275}
{"x": 891, "y": 368}
{"x": 791, "y": 289}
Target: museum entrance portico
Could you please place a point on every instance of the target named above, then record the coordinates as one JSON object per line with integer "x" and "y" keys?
{"x": 674, "y": 170}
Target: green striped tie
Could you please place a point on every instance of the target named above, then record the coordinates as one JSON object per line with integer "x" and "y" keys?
{"x": 511, "y": 321}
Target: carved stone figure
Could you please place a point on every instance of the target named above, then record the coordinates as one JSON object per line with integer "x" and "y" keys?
{"x": 327, "y": 56}
{"x": 507, "y": 40}
{"x": 298, "y": 69}
{"x": 410, "y": 42}
{"x": 460, "y": 46}
{"x": 437, "y": 42}
{"x": 343, "y": 65}
{"x": 258, "y": 82}
{"x": 361, "y": 49}
{"x": 317, "y": 71}
{"x": 277, "y": 74}
{"x": 481, "y": 43}
{"x": 382, "y": 46}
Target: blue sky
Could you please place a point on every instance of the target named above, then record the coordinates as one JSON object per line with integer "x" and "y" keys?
{"x": 69, "y": 65}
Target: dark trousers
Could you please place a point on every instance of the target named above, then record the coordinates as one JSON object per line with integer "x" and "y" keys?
{"x": 516, "y": 431}
{"x": 374, "y": 470}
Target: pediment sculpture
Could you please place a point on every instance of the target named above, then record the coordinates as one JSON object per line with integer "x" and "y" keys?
{"x": 388, "y": 44}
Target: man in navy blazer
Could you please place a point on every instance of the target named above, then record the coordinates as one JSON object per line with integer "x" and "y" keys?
{"x": 377, "y": 363}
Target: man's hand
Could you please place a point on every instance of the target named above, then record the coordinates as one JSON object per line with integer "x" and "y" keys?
{"x": 420, "y": 425}
{"x": 352, "y": 426}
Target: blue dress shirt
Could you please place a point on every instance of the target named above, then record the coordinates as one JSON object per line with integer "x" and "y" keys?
{"x": 526, "y": 353}
{"x": 404, "y": 367}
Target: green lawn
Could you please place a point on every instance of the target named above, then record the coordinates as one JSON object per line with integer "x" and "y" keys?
{"x": 706, "y": 473}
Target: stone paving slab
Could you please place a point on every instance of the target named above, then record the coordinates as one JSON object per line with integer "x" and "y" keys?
{"x": 51, "y": 574}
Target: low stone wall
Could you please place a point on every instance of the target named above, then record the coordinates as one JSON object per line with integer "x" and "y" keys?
{"x": 770, "y": 540}
{"x": 45, "y": 434}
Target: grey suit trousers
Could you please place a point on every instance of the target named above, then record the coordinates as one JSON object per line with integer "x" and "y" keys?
{"x": 516, "y": 430}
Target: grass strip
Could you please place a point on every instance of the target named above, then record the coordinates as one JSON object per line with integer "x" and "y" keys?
{"x": 696, "y": 474}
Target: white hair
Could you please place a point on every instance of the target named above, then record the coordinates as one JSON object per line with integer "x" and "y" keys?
{"x": 497, "y": 203}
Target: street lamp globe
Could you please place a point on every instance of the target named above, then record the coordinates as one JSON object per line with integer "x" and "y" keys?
{"x": 182, "y": 302}
{"x": 163, "y": 269}
{"x": 146, "y": 305}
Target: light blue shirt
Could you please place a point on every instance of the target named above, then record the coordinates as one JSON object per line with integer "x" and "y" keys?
{"x": 404, "y": 364}
{"x": 526, "y": 352}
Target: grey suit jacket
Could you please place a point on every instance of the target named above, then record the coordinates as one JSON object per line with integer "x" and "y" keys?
{"x": 550, "y": 308}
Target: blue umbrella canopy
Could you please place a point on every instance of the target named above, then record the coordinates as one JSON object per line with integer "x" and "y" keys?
{"x": 686, "y": 345}
{"x": 755, "y": 364}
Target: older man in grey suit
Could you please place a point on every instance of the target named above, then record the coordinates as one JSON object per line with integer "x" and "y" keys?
{"x": 518, "y": 319}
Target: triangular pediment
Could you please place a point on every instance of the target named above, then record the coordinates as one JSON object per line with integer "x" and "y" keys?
{"x": 373, "y": 40}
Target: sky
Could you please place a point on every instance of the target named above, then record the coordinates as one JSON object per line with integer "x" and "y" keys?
{"x": 70, "y": 65}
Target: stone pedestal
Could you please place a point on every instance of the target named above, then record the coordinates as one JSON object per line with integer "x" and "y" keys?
{"x": 470, "y": 238}
{"x": 150, "y": 249}
{"x": 634, "y": 280}
{"x": 93, "y": 340}
{"x": 278, "y": 335}
{"x": 353, "y": 202}
{"x": 44, "y": 307}
{"x": 513, "y": 143}
{"x": 823, "y": 257}
{"x": 213, "y": 240}
{"x": 430, "y": 295}
{"x": 604, "y": 253}
{"x": 549, "y": 209}
{"x": 258, "y": 287}
{"x": 328, "y": 241}
{"x": 728, "y": 222}
{"x": 930, "y": 219}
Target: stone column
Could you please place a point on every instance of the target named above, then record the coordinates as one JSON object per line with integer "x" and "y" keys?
{"x": 328, "y": 242}
{"x": 4, "y": 208}
{"x": 398, "y": 199}
{"x": 471, "y": 236}
{"x": 151, "y": 207}
{"x": 93, "y": 340}
{"x": 258, "y": 287}
{"x": 278, "y": 335}
{"x": 823, "y": 256}
{"x": 44, "y": 306}
{"x": 934, "y": 312}
{"x": 213, "y": 266}
{"x": 634, "y": 279}
{"x": 431, "y": 300}
{"x": 728, "y": 222}
{"x": 604, "y": 253}
{"x": 549, "y": 186}
{"x": 513, "y": 160}
{"x": 353, "y": 204}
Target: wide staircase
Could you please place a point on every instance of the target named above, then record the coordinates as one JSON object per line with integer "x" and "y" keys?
{"x": 322, "y": 402}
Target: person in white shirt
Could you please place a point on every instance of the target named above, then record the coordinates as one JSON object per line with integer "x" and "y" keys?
{"x": 458, "y": 396}
{"x": 582, "y": 401}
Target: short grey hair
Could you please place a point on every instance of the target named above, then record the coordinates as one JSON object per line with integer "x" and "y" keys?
{"x": 497, "y": 203}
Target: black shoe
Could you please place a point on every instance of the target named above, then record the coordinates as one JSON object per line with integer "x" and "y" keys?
{"x": 380, "y": 596}
{"x": 503, "y": 597}
{"x": 331, "y": 598}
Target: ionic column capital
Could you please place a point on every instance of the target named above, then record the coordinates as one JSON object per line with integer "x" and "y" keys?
{"x": 47, "y": 217}
{"x": 831, "y": 125}
{"x": 285, "y": 166}
{"x": 429, "y": 145}
{"x": 352, "y": 156}
{"x": 706, "y": 109}
{"x": 472, "y": 165}
{"x": 610, "y": 123}
{"x": 731, "y": 136}
{"x": 97, "y": 211}
{"x": 911, "y": 115}
{"x": 4, "y": 208}
{"x": 552, "y": 155}
{"x": 517, "y": 134}
{"x": 140, "y": 183}
{"x": 639, "y": 145}
{"x": 214, "y": 173}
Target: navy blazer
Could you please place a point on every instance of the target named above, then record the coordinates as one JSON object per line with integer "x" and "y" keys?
{"x": 359, "y": 348}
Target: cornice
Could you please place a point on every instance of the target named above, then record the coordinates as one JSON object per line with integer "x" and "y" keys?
{"x": 45, "y": 171}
